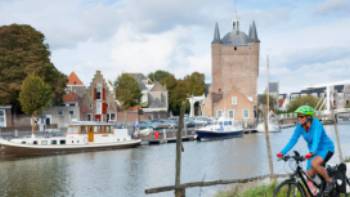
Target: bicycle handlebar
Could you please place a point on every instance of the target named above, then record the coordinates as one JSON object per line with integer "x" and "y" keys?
{"x": 297, "y": 157}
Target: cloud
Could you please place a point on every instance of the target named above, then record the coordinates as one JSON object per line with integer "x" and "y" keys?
{"x": 64, "y": 23}
{"x": 334, "y": 6}
{"x": 143, "y": 36}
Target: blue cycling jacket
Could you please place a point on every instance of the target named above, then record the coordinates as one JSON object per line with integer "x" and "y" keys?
{"x": 316, "y": 138}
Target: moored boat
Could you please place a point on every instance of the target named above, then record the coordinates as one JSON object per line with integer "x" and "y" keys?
{"x": 221, "y": 129}
{"x": 81, "y": 136}
{"x": 273, "y": 126}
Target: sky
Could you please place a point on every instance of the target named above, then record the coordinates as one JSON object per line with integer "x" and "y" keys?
{"x": 308, "y": 42}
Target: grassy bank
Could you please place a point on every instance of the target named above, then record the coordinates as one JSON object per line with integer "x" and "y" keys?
{"x": 257, "y": 191}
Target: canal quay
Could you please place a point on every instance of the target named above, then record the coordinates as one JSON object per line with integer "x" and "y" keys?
{"x": 127, "y": 173}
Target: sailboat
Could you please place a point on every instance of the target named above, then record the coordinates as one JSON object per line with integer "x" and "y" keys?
{"x": 272, "y": 121}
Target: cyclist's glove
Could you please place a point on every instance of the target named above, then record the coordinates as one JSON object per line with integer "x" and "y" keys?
{"x": 308, "y": 156}
{"x": 279, "y": 155}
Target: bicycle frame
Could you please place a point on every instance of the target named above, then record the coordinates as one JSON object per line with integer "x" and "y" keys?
{"x": 300, "y": 176}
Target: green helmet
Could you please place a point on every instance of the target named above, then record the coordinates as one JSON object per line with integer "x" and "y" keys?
{"x": 305, "y": 110}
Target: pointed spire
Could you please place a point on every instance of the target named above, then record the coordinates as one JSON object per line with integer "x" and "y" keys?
{"x": 253, "y": 35}
{"x": 250, "y": 31}
{"x": 216, "y": 34}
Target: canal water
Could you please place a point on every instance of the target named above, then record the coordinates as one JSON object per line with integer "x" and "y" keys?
{"x": 126, "y": 173}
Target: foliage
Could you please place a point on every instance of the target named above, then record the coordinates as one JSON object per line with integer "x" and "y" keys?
{"x": 35, "y": 95}
{"x": 303, "y": 100}
{"x": 259, "y": 191}
{"x": 195, "y": 84}
{"x": 272, "y": 101}
{"x": 179, "y": 90}
{"x": 127, "y": 91}
{"x": 177, "y": 96}
{"x": 23, "y": 52}
{"x": 163, "y": 77}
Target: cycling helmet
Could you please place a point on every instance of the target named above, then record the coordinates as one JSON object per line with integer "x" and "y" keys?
{"x": 306, "y": 110}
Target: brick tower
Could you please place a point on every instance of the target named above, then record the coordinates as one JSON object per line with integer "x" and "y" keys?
{"x": 235, "y": 70}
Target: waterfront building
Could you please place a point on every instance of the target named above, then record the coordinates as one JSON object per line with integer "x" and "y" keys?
{"x": 235, "y": 70}
{"x": 99, "y": 102}
{"x": 96, "y": 102}
{"x": 154, "y": 100}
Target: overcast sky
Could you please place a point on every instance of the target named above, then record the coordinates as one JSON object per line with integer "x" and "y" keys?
{"x": 308, "y": 41}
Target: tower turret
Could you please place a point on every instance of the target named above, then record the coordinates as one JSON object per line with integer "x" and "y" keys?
{"x": 253, "y": 35}
{"x": 216, "y": 34}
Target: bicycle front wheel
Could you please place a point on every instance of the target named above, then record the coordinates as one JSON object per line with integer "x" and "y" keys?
{"x": 289, "y": 188}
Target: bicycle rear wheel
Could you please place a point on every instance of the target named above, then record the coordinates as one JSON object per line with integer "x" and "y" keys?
{"x": 289, "y": 188}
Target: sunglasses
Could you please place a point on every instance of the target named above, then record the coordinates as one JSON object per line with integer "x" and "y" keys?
{"x": 301, "y": 117}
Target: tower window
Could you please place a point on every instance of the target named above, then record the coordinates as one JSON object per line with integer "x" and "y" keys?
{"x": 235, "y": 48}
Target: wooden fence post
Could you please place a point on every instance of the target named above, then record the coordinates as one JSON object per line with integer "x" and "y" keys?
{"x": 179, "y": 191}
{"x": 334, "y": 118}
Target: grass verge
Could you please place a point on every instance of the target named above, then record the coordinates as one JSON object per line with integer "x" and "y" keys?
{"x": 257, "y": 191}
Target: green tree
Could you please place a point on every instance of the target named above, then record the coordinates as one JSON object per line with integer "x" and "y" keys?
{"x": 169, "y": 81}
{"x": 272, "y": 101}
{"x": 303, "y": 100}
{"x": 177, "y": 96}
{"x": 23, "y": 52}
{"x": 34, "y": 97}
{"x": 195, "y": 84}
{"x": 127, "y": 91}
{"x": 163, "y": 77}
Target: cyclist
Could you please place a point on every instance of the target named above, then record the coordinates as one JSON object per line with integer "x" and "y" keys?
{"x": 321, "y": 147}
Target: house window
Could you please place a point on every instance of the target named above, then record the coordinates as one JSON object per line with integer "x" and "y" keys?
{"x": 231, "y": 114}
{"x": 218, "y": 113}
{"x": 89, "y": 117}
{"x": 98, "y": 95}
{"x": 71, "y": 113}
{"x": 234, "y": 100}
{"x": 61, "y": 113}
{"x": 72, "y": 104}
{"x": 245, "y": 113}
{"x": 112, "y": 116}
{"x": 2, "y": 118}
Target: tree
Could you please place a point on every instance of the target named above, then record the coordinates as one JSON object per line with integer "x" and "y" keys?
{"x": 195, "y": 84}
{"x": 23, "y": 52}
{"x": 303, "y": 100}
{"x": 163, "y": 77}
{"x": 35, "y": 95}
{"x": 177, "y": 96}
{"x": 127, "y": 91}
{"x": 272, "y": 101}
{"x": 180, "y": 90}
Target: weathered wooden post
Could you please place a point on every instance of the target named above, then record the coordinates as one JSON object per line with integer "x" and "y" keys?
{"x": 179, "y": 191}
{"x": 334, "y": 117}
{"x": 266, "y": 122}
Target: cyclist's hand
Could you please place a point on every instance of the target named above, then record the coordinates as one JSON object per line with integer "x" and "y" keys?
{"x": 308, "y": 156}
{"x": 279, "y": 155}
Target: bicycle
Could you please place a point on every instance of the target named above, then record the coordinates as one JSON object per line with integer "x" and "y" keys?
{"x": 296, "y": 185}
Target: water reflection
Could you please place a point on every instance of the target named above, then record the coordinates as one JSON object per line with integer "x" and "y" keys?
{"x": 129, "y": 172}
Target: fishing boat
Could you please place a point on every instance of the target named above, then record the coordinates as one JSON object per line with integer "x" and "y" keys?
{"x": 80, "y": 136}
{"x": 221, "y": 129}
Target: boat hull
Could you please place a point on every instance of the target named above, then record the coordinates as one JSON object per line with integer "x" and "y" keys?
{"x": 210, "y": 135}
{"x": 13, "y": 149}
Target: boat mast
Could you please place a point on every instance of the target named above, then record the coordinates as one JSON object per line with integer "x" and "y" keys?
{"x": 267, "y": 91}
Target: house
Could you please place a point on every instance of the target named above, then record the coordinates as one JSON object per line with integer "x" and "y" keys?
{"x": 154, "y": 101}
